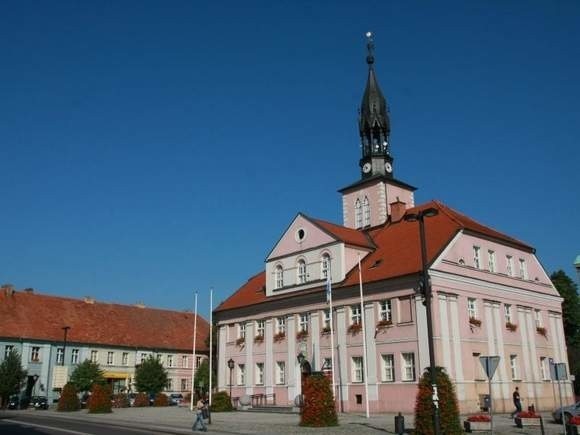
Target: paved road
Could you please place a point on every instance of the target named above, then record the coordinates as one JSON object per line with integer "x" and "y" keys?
{"x": 178, "y": 421}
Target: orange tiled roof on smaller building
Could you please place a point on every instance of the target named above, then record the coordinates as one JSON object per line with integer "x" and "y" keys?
{"x": 32, "y": 316}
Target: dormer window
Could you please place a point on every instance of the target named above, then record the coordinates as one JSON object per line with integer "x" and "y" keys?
{"x": 279, "y": 276}
{"x": 325, "y": 266}
{"x": 358, "y": 214}
{"x": 366, "y": 212}
{"x": 301, "y": 272}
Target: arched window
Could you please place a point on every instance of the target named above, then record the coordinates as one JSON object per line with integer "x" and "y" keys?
{"x": 366, "y": 212}
{"x": 301, "y": 272}
{"x": 357, "y": 214}
{"x": 279, "y": 276}
{"x": 325, "y": 266}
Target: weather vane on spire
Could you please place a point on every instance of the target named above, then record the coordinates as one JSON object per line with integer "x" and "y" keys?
{"x": 370, "y": 47}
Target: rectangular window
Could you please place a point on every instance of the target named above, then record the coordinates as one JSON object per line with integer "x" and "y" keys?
{"x": 35, "y": 354}
{"x": 280, "y": 373}
{"x": 326, "y": 320}
{"x": 544, "y": 368}
{"x": 198, "y": 361}
{"x": 281, "y": 325}
{"x": 110, "y": 358}
{"x": 259, "y": 373}
{"x": 508, "y": 313}
{"x": 523, "y": 269}
{"x": 476, "y": 257}
{"x": 472, "y": 308}
{"x": 514, "y": 366}
{"x": 125, "y": 359}
{"x": 509, "y": 265}
{"x": 169, "y": 386}
{"x": 184, "y": 361}
{"x": 355, "y": 314}
{"x": 388, "y": 368}
{"x": 169, "y": 360}
{"x": 59, "y": 356}
{"x": 538, "y": 318}
{"x": 241, "y": 374}
{"x": 143, "y": 357}
{"x": 260, "y": 326}
{"x": 242, "y": 330}
{"x": 327, "y": 364}
{"x": 303, "y": 323}
{"x": 94, "y": 356}
{"x": 385, "y": 313}
{"x": 357, "y": 369}
{"x": 74, "y": 357}
{"x": 491, "y": 260}
{"x": 183, "y": 384}
{"x": 408, "y": 373}
{"x": 7, "y": 349}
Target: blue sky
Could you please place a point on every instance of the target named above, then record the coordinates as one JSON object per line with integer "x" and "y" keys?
{"x": 149, "y": 149}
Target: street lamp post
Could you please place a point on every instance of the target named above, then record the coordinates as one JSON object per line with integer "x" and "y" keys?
{"x": 428, "y": 296}
{"x": 231, "y": 367}
{"x": 65, "y": 329}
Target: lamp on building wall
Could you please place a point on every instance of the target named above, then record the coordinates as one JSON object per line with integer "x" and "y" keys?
{"x": 231, "y": 367}
{"x": 65, "y": 329}
{"x": 426, "y": 291}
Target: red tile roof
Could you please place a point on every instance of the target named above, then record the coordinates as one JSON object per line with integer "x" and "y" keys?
{"x": 34, "y": 316}
{"x": 397, "y": 250}
{"x": 349, "y": 236}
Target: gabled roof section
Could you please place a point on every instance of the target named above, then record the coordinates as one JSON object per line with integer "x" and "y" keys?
{"x": 32, "y": 316}
{"x": 252, "y": 292}
{"x": 346, "y": 235}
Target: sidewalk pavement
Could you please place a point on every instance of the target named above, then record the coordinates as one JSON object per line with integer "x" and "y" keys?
{"x": 178, "y": 420}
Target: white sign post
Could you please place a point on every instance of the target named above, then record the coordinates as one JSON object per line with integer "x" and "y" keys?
{"x": 489, "y": 364}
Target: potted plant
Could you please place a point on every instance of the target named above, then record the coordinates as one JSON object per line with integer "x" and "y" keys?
{"x": 527, "y": 418}
{"x": 241, "y": 341}
{"x": 475, "y": 322}
{"x": 301, "y": 335}
{"x": 325, "y": 330}
{"x": 259, "y": 339}
{"x": 383, "y": 324}
{"x": 279, "y": 337}
{"x": 478, "y": 422}
{"x": 511, "y": 326}
{"x": 542, "y": 331}
{"x": 572, "y": 425}
{"x": 355, "y": 328}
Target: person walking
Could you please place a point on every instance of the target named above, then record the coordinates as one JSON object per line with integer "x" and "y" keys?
{"x": 517, "y": 402}
{"x": 199, "y": 408}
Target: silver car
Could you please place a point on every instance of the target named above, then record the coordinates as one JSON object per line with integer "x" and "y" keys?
{"x": 569, "y": 412}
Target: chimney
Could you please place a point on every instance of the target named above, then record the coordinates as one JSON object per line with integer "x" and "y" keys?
{"x": 140, "y": 304}
{"x": 88, "y": 300}
{"x": 7, "y": 289}
{"x": 29, "y": 290}
{"x": 398, "y": 209}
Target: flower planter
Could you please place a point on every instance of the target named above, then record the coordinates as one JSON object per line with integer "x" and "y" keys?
{"x": 527, "y": 421}
{"x": 476, "y": 426}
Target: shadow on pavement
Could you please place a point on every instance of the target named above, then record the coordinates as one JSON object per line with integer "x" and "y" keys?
{"x": 7, "y": 428}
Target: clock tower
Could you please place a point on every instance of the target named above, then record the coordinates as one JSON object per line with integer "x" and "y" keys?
{"x": 378, "y": 196}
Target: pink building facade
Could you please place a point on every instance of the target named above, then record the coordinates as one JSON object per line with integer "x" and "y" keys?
{"x": 491, "y": 297}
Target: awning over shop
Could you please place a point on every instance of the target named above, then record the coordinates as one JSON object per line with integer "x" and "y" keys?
{"x": 116, "y": 375}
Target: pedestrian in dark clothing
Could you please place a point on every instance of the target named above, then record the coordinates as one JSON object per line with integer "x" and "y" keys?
{"x": 517, "y": 403}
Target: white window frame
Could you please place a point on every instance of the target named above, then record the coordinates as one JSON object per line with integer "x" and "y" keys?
{"x": 241, "y": 374}
{"x": 324, "y": 266}
{"x": 35, "y": 354}
{"x": 184, "y": 384}
{"x": 408, "y": 366}
{"x": 279, "y": 276}
{"x": 545, "y": 369}
{"x": 357, "y": 371}
{"x": 538, "y": 318}
{"x": 514, "y": 367}
{"x": 198, "y": 361}
{"x": 326, "y": 318}
{"x": 301, "y": 276}
{"x": 491, "y": 266}
{"x": 95, "y": 356}
{"x": 477, "y": 257}
{"x": 523, "y": 269}
{"x": 260, "y": 373}
{"x": 110, "y": 358}
{"x": 281, "y": 325}
{"x": 169, "y": 360}
{"x": 241, "y": 330}
{"x": 304, "y": 319}
{"x": 355, "y": 315}
{"x": 366, "y": 212}
{"x": 358, "y": 214}
{"x": 472, "y": 308}
{"x": 508, "y": 313}
{"x": 280, "y": 372}
{"x": 260, "y": 327}
{"x": 74, "y": 356}
{"x": 7, "y": 349}
{"x": 385, "y": 310}
{"x": 143, "y": 357}
{"x": 125, "y": 359}
{"x": 184, "y": 361}
{"x": 388, "y": 367}
{"x": 59, "y": 355}
{"x": 509, "y": 265}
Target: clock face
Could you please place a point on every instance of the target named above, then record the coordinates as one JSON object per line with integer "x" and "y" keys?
{"x": 366, "y": 168}
{"x": 388, "y": 167}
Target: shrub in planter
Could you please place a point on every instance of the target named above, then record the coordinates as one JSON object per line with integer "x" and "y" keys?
{"x": 475, "y": 322}
{"x": 141, "y": 399}
{"x": 448, "y": 408}
{"x": 120, "y": 400}
{"x": 302, "y": 335}
{"x": 69, "y": 400}
{"x": 161, "y": 400}
{"x": 100, "y": 400}
{"x": 355, "y": 328}
{"x": 479, "y": 418}
{"x": 221, "y": 402}
{"x": 319, "y": 408}
{"x": 279, "y": 337}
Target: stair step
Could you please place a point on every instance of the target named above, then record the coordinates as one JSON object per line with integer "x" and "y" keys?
{"x": 272, "y": 409}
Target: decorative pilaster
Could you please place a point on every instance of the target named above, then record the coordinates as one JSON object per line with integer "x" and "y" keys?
{"x": 268, "y": 359}
{"x": 250, "y": 369}
{"x": 342, "y": 377}
{"x": 293, "y": 368}
{"x": 223, "y": 370}
{"x": 371, "y": 357}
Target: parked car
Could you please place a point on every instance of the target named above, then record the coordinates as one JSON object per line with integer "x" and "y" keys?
{"x": 175, "y": 399}
{"x": 569, "y": 412}
{"x": 13, "y": 401}
{"x": 131, "y": 397}
{"x": 39, "y": 402}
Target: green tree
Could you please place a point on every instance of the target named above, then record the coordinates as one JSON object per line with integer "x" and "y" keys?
{"x": 12, "y": 376}
{"x": 150, "y": 376}
{"x": 86, "y": 374}
{"x": 202, "y": 376}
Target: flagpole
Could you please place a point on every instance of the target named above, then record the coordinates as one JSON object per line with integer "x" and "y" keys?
{"x": 362, "y": 316}
{"x": 329, "y": 290}
{"x": 210, "y": 340}
{"x": 193, "y": 352}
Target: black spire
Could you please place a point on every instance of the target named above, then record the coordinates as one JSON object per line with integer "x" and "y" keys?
{"x": 374, "y": 123}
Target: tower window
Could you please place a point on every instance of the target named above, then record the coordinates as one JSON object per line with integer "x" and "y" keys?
{"x": 358, "y": 214}
{"x": 366, "y": 212}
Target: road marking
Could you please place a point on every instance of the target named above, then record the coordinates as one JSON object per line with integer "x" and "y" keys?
{"x": 25, "y": 423}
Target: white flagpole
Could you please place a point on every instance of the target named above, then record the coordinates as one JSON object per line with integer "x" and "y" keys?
{"x": 193, "y": 353}
{"x": 329, "y": 290}
{"x": 210, "y": 339}
{"x": 362, "y": 316}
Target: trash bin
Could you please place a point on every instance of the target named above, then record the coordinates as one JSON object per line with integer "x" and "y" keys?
{"x": 399, "y": 424}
